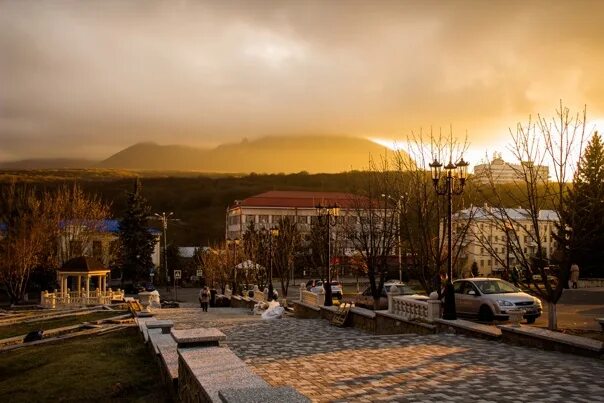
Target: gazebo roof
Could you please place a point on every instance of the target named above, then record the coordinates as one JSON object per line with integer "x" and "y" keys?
{"x": 83, "y": 264}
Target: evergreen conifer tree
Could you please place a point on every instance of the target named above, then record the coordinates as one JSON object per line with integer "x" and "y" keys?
{"x": 137, "y": 243}
{"x": 581, "y": 229}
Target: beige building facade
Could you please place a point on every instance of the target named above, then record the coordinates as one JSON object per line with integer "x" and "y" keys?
{"x": 483, "y": 239}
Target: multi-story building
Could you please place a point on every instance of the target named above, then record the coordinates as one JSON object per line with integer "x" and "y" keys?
{"x": 266, "y": 209}
{"x": 483, "y": 239}
{"x": 503, "y": 172}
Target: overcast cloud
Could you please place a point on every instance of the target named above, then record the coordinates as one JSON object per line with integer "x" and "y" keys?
{"x": 87, "y": 78}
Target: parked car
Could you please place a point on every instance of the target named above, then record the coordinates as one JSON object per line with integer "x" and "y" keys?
{"x": 313, "y": 283}
{"x": 336, "y": 289}
{"x": 365, "y": 299}
{"x": 493, "y": 298}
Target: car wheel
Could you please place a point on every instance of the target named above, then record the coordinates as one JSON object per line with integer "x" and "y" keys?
{"x": 485, "y": 314}
{"x": 531, "y": 320}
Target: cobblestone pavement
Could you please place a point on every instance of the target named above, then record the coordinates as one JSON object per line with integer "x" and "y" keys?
{"x": 327, "y": 363}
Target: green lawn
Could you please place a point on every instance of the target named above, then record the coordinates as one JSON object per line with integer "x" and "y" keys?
{"x": 115, "y": 367}
{"x": 18, "y": 329}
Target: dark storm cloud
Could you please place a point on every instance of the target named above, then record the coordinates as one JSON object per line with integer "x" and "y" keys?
{"x": 89, "y": 78}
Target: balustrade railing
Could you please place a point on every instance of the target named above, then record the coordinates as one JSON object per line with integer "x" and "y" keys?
{"x": 74, "y": 298}
{"x": 311, "y": 298}
{"x": 412, "y": 308}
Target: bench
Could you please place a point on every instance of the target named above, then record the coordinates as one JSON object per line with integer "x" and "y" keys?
{"x": 164, "y": 325}
{"x": 204, "y": 371}
{"x": 208, "y": 337}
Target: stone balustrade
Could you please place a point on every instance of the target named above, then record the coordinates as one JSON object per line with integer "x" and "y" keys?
{"x": 412, "y": 308}
{"x": 311, "y": 298}
{"x": 259, "y": 296}
{"x": 74, "y": 298}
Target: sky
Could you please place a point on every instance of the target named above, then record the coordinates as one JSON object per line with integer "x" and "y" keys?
{"x": 85, "y": 79}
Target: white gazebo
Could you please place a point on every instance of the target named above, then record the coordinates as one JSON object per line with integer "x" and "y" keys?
{"x": 80, "y": 271}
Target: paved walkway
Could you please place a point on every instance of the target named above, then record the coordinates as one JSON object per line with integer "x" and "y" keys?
{"x": 327, "y": 363}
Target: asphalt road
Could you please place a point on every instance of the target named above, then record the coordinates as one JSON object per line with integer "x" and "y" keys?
{"x": 577, "y": 309}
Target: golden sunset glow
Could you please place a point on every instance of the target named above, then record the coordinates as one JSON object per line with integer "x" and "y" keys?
{"x": 86, "y": 80}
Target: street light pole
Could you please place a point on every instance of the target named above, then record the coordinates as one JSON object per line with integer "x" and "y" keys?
{"x": 399, "y": 207}
{"x": 164, "y": 218}
{"x": 328, "y": 211}
{"x": 450, "y": 187}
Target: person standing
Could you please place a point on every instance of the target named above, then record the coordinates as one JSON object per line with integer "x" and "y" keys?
{"x": 204, "y": 298}
{"x": 574, "y": 275}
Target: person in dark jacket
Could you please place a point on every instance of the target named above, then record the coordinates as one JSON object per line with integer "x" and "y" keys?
{"x": 447, "y": 295}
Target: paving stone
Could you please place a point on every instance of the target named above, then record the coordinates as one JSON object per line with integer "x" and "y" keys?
{"x": 327, "y": 363}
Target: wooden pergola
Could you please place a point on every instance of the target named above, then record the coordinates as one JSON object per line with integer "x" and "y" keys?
{"x": 82, "y": 268}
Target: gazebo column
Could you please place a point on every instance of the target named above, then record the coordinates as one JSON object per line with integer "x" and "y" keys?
{"x": 79, "y": 287}
{"x": 87, "y": 286}
{"x": 64, "y": 285}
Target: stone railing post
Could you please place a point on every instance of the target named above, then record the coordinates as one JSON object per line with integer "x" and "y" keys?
{"x": 433, "y": 307}
{"x": 302, "y": 289}
{"x": 394, "y": 291}
{"x": 321, "y": 297}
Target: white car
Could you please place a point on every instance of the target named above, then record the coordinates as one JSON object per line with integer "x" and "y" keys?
{"x": 336, "y": 289}
{"x": 493, "y": 298}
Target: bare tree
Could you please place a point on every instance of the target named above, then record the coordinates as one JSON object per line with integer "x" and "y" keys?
{"x": 33, "y": 224}
{"x": 372, "y": 231}
{"x": 422, "y": 211}
{"x": 24, "y": 241}
{"x": 78, "y": 220}
{"x": 256, "y": 250}
{"x": 556, "y": 142}
{"x": 286, "y": 245}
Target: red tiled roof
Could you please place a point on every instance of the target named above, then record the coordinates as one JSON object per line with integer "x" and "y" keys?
{"x": 286, "y": 198}
{"x": 82, "y": 264}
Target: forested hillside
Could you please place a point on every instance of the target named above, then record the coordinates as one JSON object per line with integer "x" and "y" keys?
{"x": 198, "y": 201}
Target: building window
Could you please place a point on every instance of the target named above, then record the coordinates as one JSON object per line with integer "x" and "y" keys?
{"x": 302, "y": 219}
{"x": 481, "y": 263}
{"x": 496, "y": 238}
{"x": 263, "y": 219}
{"x": 250, "y": 219}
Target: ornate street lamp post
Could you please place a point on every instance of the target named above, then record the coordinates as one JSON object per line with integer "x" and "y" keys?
{"x": 449, "y": 184}
{"x": 328, "y": 211}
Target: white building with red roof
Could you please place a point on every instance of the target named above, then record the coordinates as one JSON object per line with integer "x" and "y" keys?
{"x": 266, "y": 209}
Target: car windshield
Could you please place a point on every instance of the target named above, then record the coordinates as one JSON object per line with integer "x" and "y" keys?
{"x": 495, "y": 287}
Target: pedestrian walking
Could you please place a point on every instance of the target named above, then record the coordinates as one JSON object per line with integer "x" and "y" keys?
{"x": 574, "y": 275}
{"x": 204, "y": 298}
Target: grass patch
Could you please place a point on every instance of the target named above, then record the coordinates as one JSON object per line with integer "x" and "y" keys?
{"x": 115, "y": 367}
{"x": 17, "y": 329}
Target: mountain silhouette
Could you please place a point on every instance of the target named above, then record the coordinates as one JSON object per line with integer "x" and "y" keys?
{"x": 275, "y": 154}
{"x": 266, "y": 155}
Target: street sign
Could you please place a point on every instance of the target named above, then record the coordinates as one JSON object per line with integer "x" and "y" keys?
{"x": 177, "y": 274}
{"x": 199, "y": 273}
